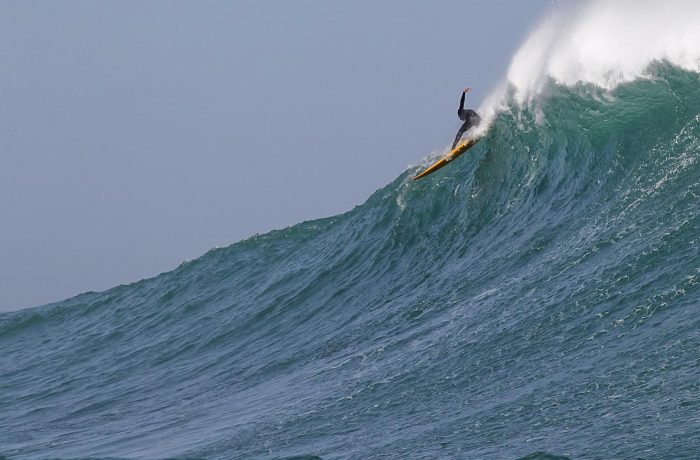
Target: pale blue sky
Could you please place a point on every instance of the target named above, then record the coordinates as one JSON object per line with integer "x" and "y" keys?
{"x": 134, "y": 135}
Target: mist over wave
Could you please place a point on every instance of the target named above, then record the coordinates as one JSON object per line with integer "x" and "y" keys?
{"x": 603, "y": 43}
{"x": 536, "y": 299}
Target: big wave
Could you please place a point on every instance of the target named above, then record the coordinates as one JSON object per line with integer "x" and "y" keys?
{"x": 537, "y": 298}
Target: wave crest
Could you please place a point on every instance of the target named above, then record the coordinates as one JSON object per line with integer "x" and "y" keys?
{"x": 603, "y": 43}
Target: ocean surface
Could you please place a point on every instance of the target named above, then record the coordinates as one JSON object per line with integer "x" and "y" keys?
{"x": 539, "y": 298}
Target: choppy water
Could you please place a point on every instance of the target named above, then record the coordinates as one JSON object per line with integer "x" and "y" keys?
{"x": 539, "y": 297}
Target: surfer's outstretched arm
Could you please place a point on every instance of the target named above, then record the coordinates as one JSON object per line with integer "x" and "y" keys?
{"x": 460, "y": 112}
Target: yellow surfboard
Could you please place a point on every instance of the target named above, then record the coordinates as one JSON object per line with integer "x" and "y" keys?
{"x": 457, "y": 151}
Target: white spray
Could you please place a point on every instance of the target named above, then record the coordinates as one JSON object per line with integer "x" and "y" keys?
{"x": 601, "y": 42}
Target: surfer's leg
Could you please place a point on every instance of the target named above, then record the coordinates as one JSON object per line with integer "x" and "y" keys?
{"x": 464, "y": 127}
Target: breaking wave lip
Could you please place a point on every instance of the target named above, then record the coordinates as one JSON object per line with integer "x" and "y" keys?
{"x": 603, "y": 43}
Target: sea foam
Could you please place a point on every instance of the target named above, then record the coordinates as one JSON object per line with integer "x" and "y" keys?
{"x": 601, "y": 42}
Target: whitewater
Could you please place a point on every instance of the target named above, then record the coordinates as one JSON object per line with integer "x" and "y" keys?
{"x": 536, "y": 299}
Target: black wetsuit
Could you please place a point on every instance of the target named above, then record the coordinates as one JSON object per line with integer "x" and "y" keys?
{"x": 470, "y": 118}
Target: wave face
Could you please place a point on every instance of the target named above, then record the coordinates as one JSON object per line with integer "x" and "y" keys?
{"x": 537, "y": 299}
{"x": 539, "y": 295}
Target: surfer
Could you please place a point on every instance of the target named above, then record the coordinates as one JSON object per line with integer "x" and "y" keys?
{"x": 469, "y": 117}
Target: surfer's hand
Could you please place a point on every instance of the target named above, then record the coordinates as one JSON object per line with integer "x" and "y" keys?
{"x": 466, "y": 90}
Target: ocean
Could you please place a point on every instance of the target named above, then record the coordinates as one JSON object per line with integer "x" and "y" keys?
{"x": 536, "y": 299}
